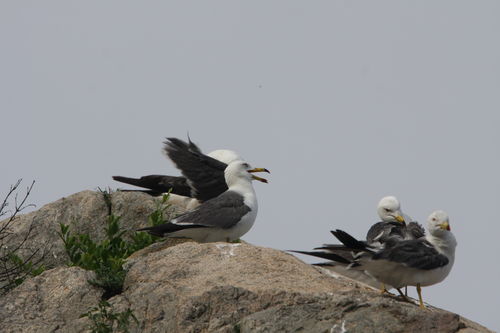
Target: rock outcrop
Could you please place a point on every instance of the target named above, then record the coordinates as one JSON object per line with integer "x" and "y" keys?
{"x": 51, "y": 302}
{"x": 85, "y": 212}
{"x": 216, "y": 287}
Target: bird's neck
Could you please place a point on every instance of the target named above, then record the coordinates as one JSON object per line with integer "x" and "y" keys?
{"x": 247, "y": 191}
{"x": 242, "y": 187}
{"x": 445, "y": 243}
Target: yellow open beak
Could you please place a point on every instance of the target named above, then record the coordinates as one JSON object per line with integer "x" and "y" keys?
{"x": 259, "y": 170}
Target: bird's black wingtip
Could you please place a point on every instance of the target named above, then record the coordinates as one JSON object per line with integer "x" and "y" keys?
{"x": 324, "y": 255}
{"x": 348, "y": 240}
{"x": 296, "y": 251}
{"x": 151, "y": 231}
{"x": 325, "y": 264}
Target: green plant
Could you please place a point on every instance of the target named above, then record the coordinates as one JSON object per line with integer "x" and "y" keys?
{"x": 142, "y": 239}
{"x": 106, "y": 194}
{"x": 25, "y": 268}
{"x": 106, "y": 258}
{"x": 104, "y": 319}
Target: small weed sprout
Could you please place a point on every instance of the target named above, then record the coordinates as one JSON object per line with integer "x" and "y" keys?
{"x": 105, "y": 320}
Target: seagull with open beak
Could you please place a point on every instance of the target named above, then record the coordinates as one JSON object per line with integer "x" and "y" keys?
{"x": 257, "y": 177}
{"x": 226, "y": 217}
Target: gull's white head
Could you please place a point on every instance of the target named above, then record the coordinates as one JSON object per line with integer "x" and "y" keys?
{"x": 240, "y": 171}
{"x": 389, "y": 210}
{"x": 438, "y": 223}
{"x": 225, "y": 156}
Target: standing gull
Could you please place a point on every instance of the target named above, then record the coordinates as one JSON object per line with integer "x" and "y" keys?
{"x": 393, "y": 227}
{"x": 226, "y": 217}
{"x": 417, "y": 262}
{"x": 202, "y": 179}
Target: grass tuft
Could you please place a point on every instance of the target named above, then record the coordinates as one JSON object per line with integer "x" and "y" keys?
{"x": 106, "y": 258}
{"x": 105, "y": 320}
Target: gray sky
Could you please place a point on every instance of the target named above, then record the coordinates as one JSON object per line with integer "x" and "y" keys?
{"x": 344, "y": 101}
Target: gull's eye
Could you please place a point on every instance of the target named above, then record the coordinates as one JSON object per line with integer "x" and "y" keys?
{"x": 246, "y": 165}
{"x": 434, "y": 219}
{"x": 387, "y": 210}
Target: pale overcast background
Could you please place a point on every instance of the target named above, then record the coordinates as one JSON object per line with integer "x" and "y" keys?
{"x": 344, "y": 101}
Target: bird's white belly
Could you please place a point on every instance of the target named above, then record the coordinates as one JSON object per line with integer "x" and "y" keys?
{"x": 244, "y": 225}
{"x": 234, "y": 233}
{"x": 399, "y": 275}
{"x": 358, "y": 275}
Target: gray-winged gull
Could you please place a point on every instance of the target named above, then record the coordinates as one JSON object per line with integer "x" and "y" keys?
{"x": 417, "y": 262}
{"x": 226, "y": 217}
{"x": 392, "y": 226}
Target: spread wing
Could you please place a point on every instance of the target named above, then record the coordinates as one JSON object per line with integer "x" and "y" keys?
{"x": 205, "y": 175}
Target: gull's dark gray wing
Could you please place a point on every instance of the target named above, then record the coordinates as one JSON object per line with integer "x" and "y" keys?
{"x": 416, "y": 253}
{"x": 222, "y": 212}
{"x": 381, "y": 232}
{"x": 205, "y": 175}
{"x": 158, "y": 184}
{"x": 415, "y": 230}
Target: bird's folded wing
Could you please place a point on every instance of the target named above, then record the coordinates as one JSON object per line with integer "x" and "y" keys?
{"x": 416, "y": 253}
{"x": 224, "y": 211}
